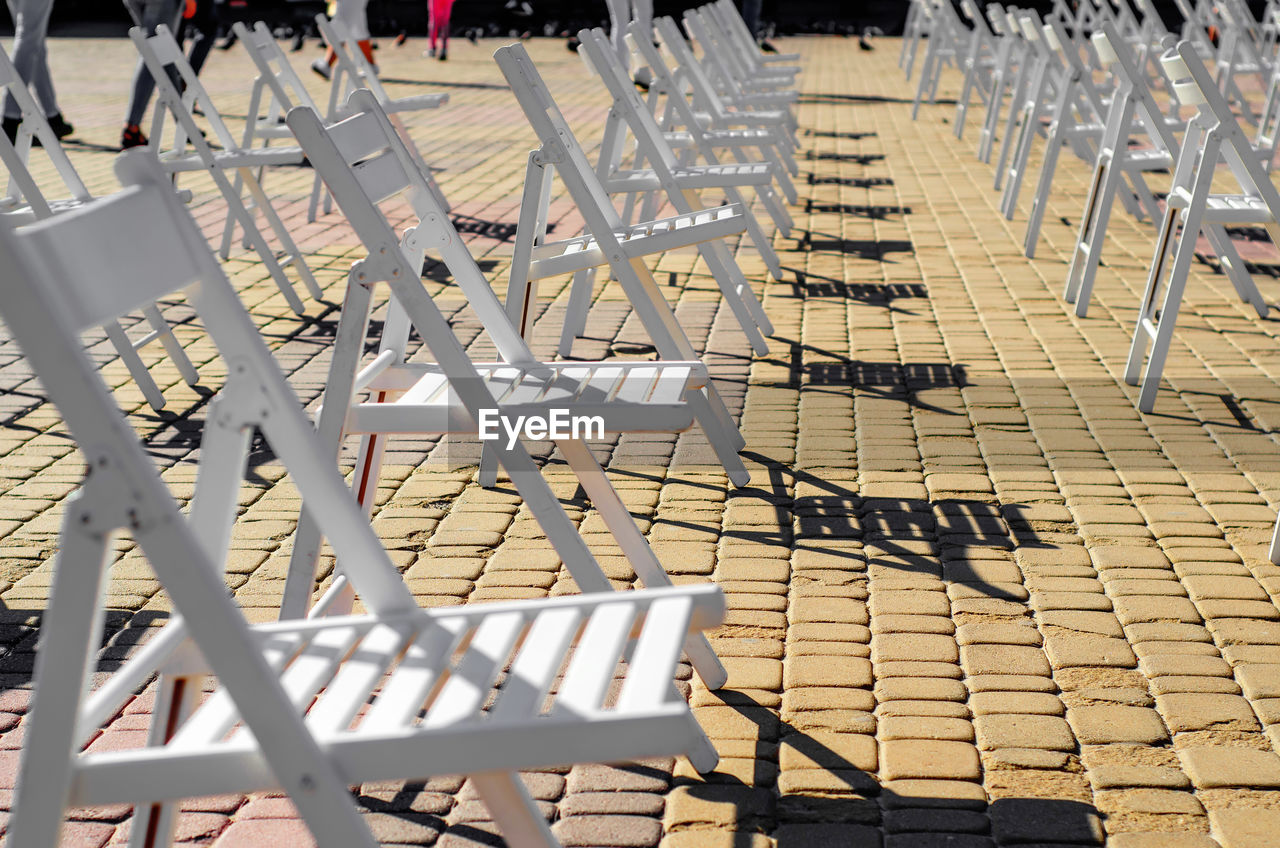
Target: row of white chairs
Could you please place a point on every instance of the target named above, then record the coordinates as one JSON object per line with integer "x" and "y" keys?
{"x": 1125, "y": 133}
{"x": 1130, "y": 133}
{"x": 325, "y": 698}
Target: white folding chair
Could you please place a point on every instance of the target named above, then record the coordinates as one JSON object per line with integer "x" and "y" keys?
{"x": 978, "y": 65}
{"x": 1075, "y": 112}
{"x": 310, "y": 706}
{"x": 1212, "y": 136}
{"x": 1010, "y": 62}
{"x": 24, "y": 201}
{"x": 352, "y": 71}
{"x": 1238, "y": 54}
{"x": 1133, "y": 112}
{"x": 364, "y": 162}
{"x": 1079, "y": 119}
{"x": 754, "y": 95}
{"x": 720, "y": 113}
{"x": 189, "y": 150}
{"x": 622, "y": 247}
{"x": 915, "y": 28}
{"x": 945, "y": 48}
{"x": 732, "y": 20}
{"x": 736, "y": 66}
{"x": 679, "y": 121}
{"x": 1033, "y": 86}
{"x": 681, "y": 186}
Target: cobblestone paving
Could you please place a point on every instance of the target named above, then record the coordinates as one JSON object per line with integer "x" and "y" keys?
{"x": 975, "y": 598}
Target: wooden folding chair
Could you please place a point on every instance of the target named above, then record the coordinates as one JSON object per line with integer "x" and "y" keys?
{"x": 24, "y": 201}
{"x": 681, "y": 186}
{"x": 189, "y": 150}
{"x": 352, "y": 71}
{"x": 310, "y": 706}
{"x": 1213, "y": 136}
{"x": 608, "y": 241}
{"x": 1133, "y": 112}
{"x": 364, "y": 162}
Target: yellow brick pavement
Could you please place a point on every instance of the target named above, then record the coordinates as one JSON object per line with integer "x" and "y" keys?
{"x": 975, "y": 598}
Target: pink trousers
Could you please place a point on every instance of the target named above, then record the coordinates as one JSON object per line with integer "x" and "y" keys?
{"x": 438, "y": 11}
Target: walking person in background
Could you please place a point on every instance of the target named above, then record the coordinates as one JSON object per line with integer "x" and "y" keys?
{"x": 147, "y": 14}
{"x": 202, "y": 28}
{"x": 438, "y": 15}
{"x": 31, "y": 57}
{"x": 353, "y": 15}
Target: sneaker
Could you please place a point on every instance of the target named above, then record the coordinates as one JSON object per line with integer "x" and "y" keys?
{"x": 132, "y": 137}
{"x": 444, "y": 54}
{"x": 402, "y": 38}
{"x": 321, "y": 67}
{"x": 429, "y": 53}
{"x": 60, "y": 126}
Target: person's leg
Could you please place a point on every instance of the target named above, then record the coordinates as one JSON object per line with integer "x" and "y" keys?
{"x": 203, "y": 28}
{"x": 30, "y": 56}
{"x": 751, "y": 14}
{"x": 446, "y": 7}
{"x": 149, "y": 14}
{"x": 433, "y": 24}
{"x": 353, "y": 14}
{"x": 619, "y": 17}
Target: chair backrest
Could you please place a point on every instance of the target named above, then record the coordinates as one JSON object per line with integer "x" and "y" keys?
{"x": 352, "y": 70}
{"x": 1115, "y": 55}
{"x": 50, "y": 294}
{"x": 594, "y": 47}
{"x": 690, "y": 69}
{"x": 275, "y": 73}
{"x": 555, "y": 135}
{"x": 1069, "y": 50}
{"x": 169, "y": 67}
{"x": 23, "y": 189}
{"x": 1193, "y": 85}
{"x": 364, "y": 161}
{"x": 664, "y": 80}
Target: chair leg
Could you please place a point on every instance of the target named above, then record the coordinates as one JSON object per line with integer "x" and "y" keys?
{"x": 165, "y": 334}
{"x": 1093, "y": 230}
{"x": 575, "y": 316}
{"x": 137, "y": 368}
{"x": 637, "y": 550}
{"x": 282, "y": 235}
{"x": 68, "y": 638}
{"x": 1233, "y": 265}
{"x": 1043, "y": 187}
{"x": 514, "y": 810}
{"x": 153, "y": 824}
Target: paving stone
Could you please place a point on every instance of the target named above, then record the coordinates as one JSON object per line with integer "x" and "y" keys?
{"x": 1024, "y": 731}
{"x": 928, "y": 760}
{"x": 1245, "y": 827}
{"x": 1197, "y": 711}
{"x": 1220, "y": 767}
{"x": 1097, "y": 725}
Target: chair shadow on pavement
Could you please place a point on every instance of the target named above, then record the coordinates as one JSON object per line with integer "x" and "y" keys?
{"x": 824, "y": 799}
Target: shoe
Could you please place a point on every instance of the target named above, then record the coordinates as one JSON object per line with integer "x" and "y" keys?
{"x": 11, "y": 128}
{"x": 229, "y": 41}
{"x": 444, "y": 54}
{"x": 402, "y": 38}
{"x": 430, "y": 54}
{"x": 60, "y": 126}
{"x": 132, "y": 137}
{"x": 321, "y": 67}
{"x": 766, "y": 47}
{"x": 473, "y": 35}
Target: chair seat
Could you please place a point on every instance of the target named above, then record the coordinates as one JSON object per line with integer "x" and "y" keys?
{"x": 1148, "y": 159}
{"x": 695, "y": 177}
{"x": 627, "y": 396}
{"x": 571, "y": 255}
{"x": 412, "y": 695}
{"x": 742, "y": 136}
{"x": 252, "y": 158}
{"x": 409, "y": 104}
{"x": 1227, "y": 208}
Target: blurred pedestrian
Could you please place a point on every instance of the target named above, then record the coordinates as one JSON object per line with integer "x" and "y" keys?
{"x": 438, "y": 17}
{"x": 354, "y": 17}
{"x": 31, "y": 57}
{"x": 147, "y": 14}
